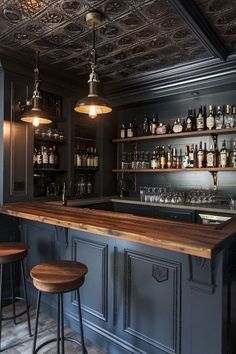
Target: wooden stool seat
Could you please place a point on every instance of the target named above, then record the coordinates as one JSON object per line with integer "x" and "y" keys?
{"x": 12, "y": 252}
{"x": 58, "y": 276}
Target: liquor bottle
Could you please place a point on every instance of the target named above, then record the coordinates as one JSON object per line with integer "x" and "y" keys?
{"x": 192, "y": 159}
{"x": 169, "y": 157}
{"x": 122, "y": 131}
{"x": 219, "y": 119}
{"x": 163, "y": 158}
{"x": 130, "y": 130}
{"x": 185, "y": 161}
{"x": 78, "y": 157}
{"x": 178, "y": 126}
{"x": 89, "y": 186}
{"x": 234, "y": 115}
{"x": 223, "y": 155}
{"x": 174, "y": 158}
{"x": 154, "y": 124}
{"x": 228, "y": 117}
{"x": 88, "y": 158}
{"x": 200, "y": 156}
{"x": 44, "y": 157}
{"x": 91, "y": 157}
{"x": 51, "y": 159}
{"x": 233, "y": 156}
{"x": 145, "y": 125}
{"x": 154, "y": 160}
{"x": 39, "y": 159}
{"x": 200, "y": 120}
{"x": 96, "y": 159}
{"x": 35, "y": 158}
{"x": 56, "y": 159}
{"x": 189, "y": 121}
{"x": 210, "y": 121}
{"x": 205, "y": 154}
{"x": 211, "y": 157}
{"x": 83, "y": 157}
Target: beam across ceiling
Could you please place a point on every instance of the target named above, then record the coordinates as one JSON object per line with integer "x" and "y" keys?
{"x": 191, "y": 14}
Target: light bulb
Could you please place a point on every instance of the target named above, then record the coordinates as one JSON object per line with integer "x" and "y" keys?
{"x": 35, "y": 122}
{"x": 92, "y": 112}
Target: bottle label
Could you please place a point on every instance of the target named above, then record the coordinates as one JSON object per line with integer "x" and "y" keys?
{"x": 153, "y": 128}
{"x": 210, "y": 159}
{"x": 45, "y": 158}
{"x": 189, "y": 124}
{"x": 154, "y": 163}
{"x": 200, "y": 159}
{"x": 200, "y": 122}
{"x": 51, "y": 159}
{"x": 122, "y": 133}
{"x": 177, "y": 128}
{"x": 78, "y": 161}
{"x": 39, "y": 160}
{"x": 130, "y": 133}
{"x": 223, "y": 159}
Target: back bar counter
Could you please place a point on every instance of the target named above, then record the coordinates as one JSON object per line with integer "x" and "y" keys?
{"x": 153, "y": 286}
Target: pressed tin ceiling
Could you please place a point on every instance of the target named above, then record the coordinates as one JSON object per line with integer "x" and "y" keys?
{"x": 137, "y": 37}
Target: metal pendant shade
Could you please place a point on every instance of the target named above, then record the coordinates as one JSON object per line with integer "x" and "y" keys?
{"x": 36, "y": 115}
{"x": 93, "y": 104}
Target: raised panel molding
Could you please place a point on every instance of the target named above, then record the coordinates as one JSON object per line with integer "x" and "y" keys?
{"x": 101, "y": 251}
{"x": 169, "y": 274}
{"x": 201, "y": 274}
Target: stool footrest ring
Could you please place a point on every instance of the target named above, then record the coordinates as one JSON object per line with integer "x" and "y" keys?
{"x": 16, "y": 315}
{"x": 66, "y": 339}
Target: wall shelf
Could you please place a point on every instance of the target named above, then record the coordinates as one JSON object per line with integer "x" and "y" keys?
{"x": 49, "y": 170}
{"x": 158, "y": 170}
{"x": 177, "y": 135}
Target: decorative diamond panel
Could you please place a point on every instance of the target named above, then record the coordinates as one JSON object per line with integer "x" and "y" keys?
{"x": 221, "y": 14}
{"x": 137, "y": 37}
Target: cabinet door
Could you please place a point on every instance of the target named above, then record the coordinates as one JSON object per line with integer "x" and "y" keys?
{"x": 148, "y": 300}
{"x": 97, "y": 291}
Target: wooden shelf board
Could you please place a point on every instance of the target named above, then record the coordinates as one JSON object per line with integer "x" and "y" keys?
{"x": 177, "y": 135}
{"x": 150, "y": 170}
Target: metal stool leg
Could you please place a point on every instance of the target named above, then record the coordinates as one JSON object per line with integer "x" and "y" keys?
{"x": 12, "y": 271}
{"x": 36, "y": 322}
{"x": 58, "y": 323}
{"x": 84, "y": 351}
{"x": 26, "y": 297}
{"x": 1, "y": 275}
{"x": 62, "y": 324}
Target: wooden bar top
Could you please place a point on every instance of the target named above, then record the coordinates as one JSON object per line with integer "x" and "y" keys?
{"x": 193, "y": 239}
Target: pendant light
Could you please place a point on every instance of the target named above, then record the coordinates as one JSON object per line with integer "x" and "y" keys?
{"x": 36, "y": 115}
{"x": 93, "y": 104}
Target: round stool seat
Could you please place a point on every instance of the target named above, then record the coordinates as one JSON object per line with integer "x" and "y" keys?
{"x": 58, "y": 276}
{"x": 12, "y": 251}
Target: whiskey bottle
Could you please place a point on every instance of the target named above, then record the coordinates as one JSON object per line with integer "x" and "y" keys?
{"x": 200, "y": 156}
{"x": 228, "y": 117}
{"x": 233, "y": 156}
{"x": 174, "y": 158}
{"x": 200, "y": 120}
{"x": 88, "y": 156}
{"x": 211, "y": 157}
{"x": 39, "y": 159}
{"x": 96, "y": 159}
{"x": 189, "y": 121}
{"x": 51, "y": 160}
{"x": 35, "y": 158}
{"x": 219, "y": 119}
{"x": 169, "y": 157}
{"x": 44, "y": 157}
{"x": 154, "y": 124}
{"x": 178, "y": 126}
{"x": 56, "y": 158}
{"x": 154, "y": 160}
{"x": 130, "y": 130}
{"x": 161, "y": 129}
{"x": 192, "y": 158}
{"x": 122, "y": 131}
{"x": 223, "y": 155}
{"x": 210, "y": 121}
{"x": 145, "y": 125}
{"x": 234, "y": 115}
{"x": 185, "y": 162}
{"x": 163, "y": 158}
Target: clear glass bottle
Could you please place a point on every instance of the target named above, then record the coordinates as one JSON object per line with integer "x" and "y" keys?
{"x": 210, "y": 121}
{"x": 200, "y": 156}
{"x": 219, "y": 119}
{"x": 169, "y": 157}
{"x": 234, "y": 115}
{"x": 154, "y": 160}
{"x": 233, "y": 156}
{"x": 185, "y": 161}
{"x": 228, "y": 117}
{"x": 189, "y": 121}
{"x": 178, "y": 126}
{"x": 145, "y": 125}
{"x": 154, "y": 124}
{"x": 163, "y": 158}
{"x": 122, "y": 131}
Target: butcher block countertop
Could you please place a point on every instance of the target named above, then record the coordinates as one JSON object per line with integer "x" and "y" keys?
{"x": 193, "y": 239}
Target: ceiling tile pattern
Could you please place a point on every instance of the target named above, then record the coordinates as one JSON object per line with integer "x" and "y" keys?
{"x": 137, "y": 37}
{"x": 221, "y": 14}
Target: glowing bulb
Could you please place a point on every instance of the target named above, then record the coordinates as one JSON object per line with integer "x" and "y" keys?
{"x": 35, "y": 122}
{"x": 92, "y": 112}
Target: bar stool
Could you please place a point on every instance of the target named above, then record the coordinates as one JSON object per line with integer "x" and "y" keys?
{"x": 58, "y": 278}
{"x": 10, "y": 253}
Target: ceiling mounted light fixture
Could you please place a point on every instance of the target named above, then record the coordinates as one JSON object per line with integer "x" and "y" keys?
{"x": 36, "y": 115}
{"x": 93, "y": 104}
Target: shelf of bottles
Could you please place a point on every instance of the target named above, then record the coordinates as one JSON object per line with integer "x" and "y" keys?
{"x": 86, "y": 162}
{"x": 217, "y": 121}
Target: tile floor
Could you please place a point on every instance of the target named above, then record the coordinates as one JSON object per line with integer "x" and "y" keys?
{"x": 15, "y": 339}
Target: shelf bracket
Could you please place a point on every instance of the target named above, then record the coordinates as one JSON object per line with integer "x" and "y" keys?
{"x": 214, "y": 176}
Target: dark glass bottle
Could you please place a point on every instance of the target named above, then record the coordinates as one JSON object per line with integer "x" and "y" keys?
{"x": 145, "y": 125}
